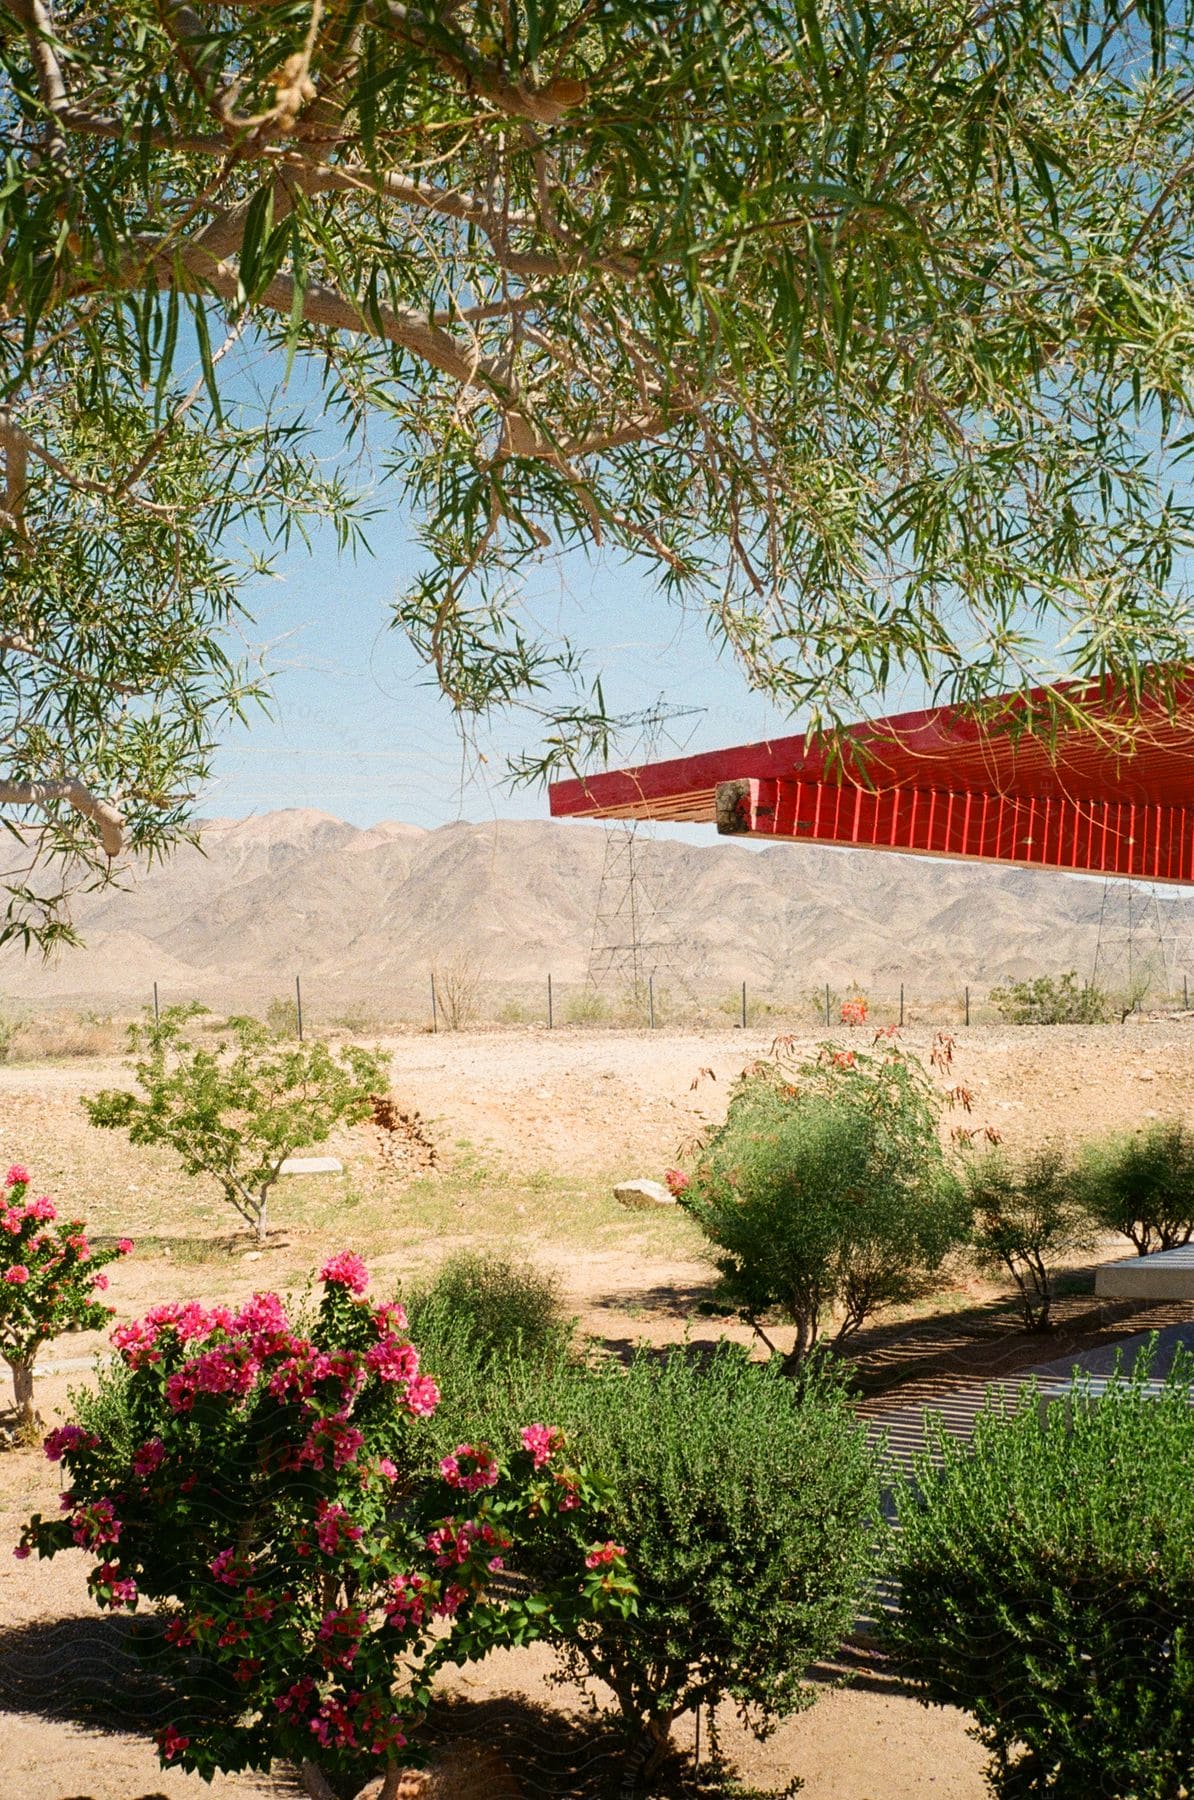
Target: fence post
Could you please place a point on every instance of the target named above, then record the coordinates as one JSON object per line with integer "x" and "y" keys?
{"x": 651, "y": 1001}
{"x": 744, "y": 1006}
{"x": 550, "y": 1015}
{"x": 901, "y": 1003}
{"x": 156, "y": 1014}
{"x": 827, "y": 1005}
{"x": 967, "y": 1004}
{"x": 434, "y": 1007}
{"x": 298, "y": 1004}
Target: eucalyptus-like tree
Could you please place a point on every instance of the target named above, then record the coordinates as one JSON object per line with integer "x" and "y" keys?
{"x": 866, "y": 325}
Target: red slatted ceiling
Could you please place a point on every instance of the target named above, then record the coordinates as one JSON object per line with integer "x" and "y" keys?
{"x": 1151, "y": 841}
{"x": 1151, "y": 762}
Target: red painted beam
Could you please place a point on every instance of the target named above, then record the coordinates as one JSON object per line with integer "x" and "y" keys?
{"x": 1150, "y": 841}
{"x": 1151, "y": 762}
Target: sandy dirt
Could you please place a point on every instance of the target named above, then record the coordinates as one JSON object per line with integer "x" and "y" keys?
{"x": 528, "y": 1125}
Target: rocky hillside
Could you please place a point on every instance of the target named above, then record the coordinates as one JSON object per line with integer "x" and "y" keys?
{"x": 364, "y": 914}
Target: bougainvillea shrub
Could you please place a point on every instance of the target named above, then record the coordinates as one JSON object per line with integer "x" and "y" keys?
{"x": 50, "y": 1274}
{"x": 259, "y": 1478}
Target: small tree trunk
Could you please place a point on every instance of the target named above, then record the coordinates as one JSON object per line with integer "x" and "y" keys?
{"x": 261, "y": 1215}
{"x": 22, "y": 1392}
{"x": 648, "y": 1752}
{"x": 315, "y": 1783}
{"x": 806, "y": 1332}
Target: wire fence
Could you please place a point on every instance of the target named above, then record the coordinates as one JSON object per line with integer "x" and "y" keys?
{"x": 461, "y": 998}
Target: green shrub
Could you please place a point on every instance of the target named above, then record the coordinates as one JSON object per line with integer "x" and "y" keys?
{"x": 1025, "y": 1214}
{"x": 1046, "y": 1001}
{"x": 484, "y": 1309}
{"x": 1047, "y": 1588}
{"x": 589, "y": 1007}
{"x": 747, "y": 1506}
{"x": 1142, "y": 1184}
{"x": 827, "y": 1188}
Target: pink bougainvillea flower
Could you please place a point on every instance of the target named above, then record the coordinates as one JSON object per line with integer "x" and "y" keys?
{"x": 18, "y": 1176}
{"x": 542, "y": 1441}
{"x": 21, "y": 1552}
{"x": 124, "y": 1246}
{"x": 422, "y": 1396}
{"x": 41, "y": 1208}
{"x": 605, "y": 1553}
{"x": 149, "y": 1457}
{"x": 346, "y": 1270}
{"x": 393, "y": 1360}
{"x": 676, "y": 1180}
{"x": 17, "y": 1276}
{"x": 171, "y": 1744}
{"x": 68, "y": 1437}
{"x": 470, "y": 1468}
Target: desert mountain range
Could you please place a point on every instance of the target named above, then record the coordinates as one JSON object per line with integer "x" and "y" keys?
{"x": 363, "y": 914}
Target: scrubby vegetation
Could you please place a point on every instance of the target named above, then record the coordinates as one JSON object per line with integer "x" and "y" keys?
{"x": 1049, "y": 1000}
{"x": 1142, "y": 1184}
{"x": 748, "y": 1505}
{"x": 1025, "y": 1213}
{"x": 1047, "y": 1588}
{"x": 481, "y": 1310}
{"x": 826, "y": 1189}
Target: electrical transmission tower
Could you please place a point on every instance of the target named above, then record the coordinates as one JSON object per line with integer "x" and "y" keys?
{"x": 633, "y": 945}
{"x": 1136, "y": 948}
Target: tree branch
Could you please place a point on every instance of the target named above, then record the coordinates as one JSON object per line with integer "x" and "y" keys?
{"x": 107, "y": 819}
{"x": 19, "y": 646}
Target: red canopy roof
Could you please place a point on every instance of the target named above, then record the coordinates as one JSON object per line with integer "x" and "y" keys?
{"x": 1019, "y": 786}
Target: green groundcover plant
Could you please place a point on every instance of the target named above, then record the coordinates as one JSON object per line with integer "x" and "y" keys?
{"x": 262, "y": 1483}
{"x": 1142, "y": 1184}
{"x": 747, "y": 1504}
{"x": 485, "y": 1307}
{"x": 826, "y": 1188}
{"x": 1047, "y": 1588}
{"x": 50, "y": 1274}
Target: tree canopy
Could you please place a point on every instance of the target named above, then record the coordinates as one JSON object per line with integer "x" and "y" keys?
{"x": 865, "y": 325}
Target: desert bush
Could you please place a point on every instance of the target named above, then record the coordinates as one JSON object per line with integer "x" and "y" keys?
{"x": 49, "y": 1277}
{"x": 236, "y": 1109}
{"x": 1141, "y": 1183}
{"x": 8, "y": 1031}
{"x": 826, "y": 1187}
{"x": 64, "y": 1035}
{"x": 1025, "y": 1213}
{"x": 484, "y": 1308}
{"x": 588, "y": 1007}
{"x": 1047, "y": 1588}
{"x": 747, "y": 1505}
{"x": 258, "y": 1483}
{"x": 281, "y": 1015}
{"x": 1044, "y": 1000}
{"x": 458, "y": 982}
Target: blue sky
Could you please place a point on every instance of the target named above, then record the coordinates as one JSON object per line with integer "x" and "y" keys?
{"x": 357, "y": 729}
